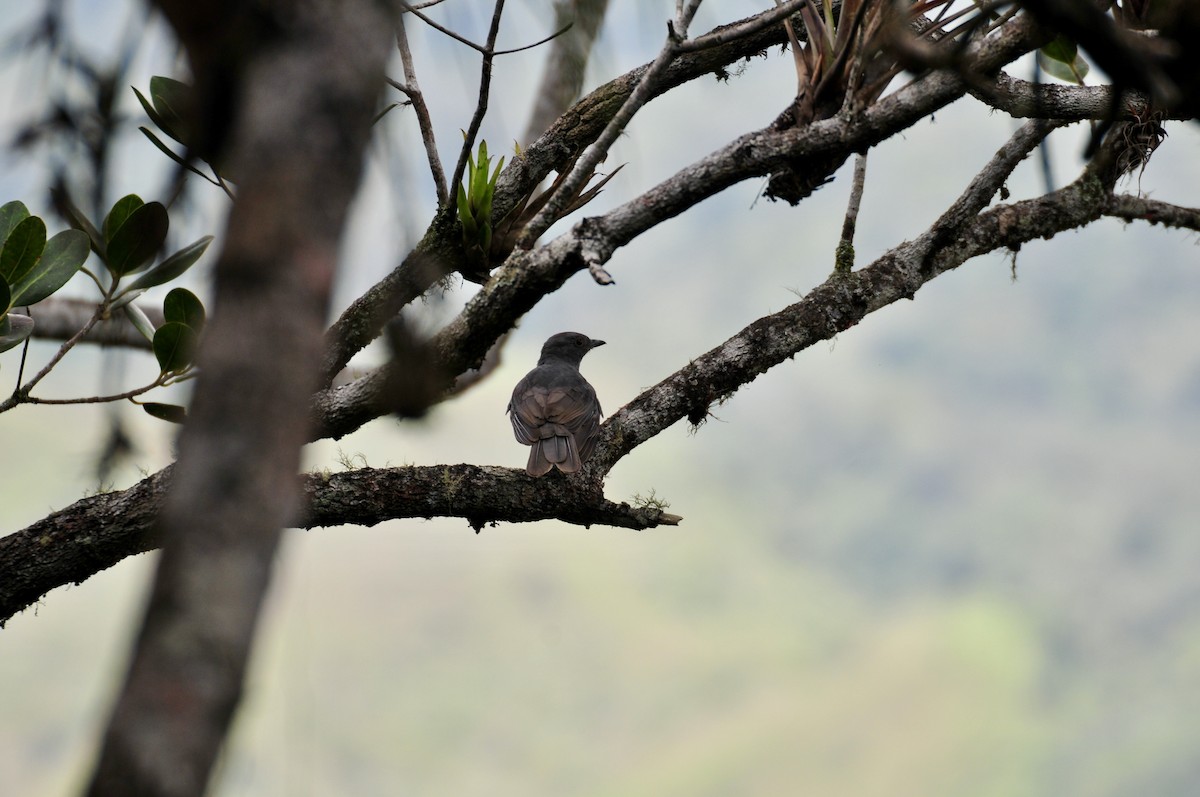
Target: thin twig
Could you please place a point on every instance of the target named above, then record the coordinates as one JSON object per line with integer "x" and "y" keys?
{"x": 413, "y": 91}
{"x": 441, "y": 28}
{"x": 598, "y": 150}
{"x": 488, "y": 49}
{"x": 485, "y": 86}
{"x": 537, "y": 43}
{"x": 22, "y": 393}
{"x": 749, "y": 27}
{"x": 844, "y": 257}
{"x": 128, "y": 394}
{"x": 24, "y": 354}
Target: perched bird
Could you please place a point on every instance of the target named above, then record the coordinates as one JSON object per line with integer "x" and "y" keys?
{"x": 554, "y": 409}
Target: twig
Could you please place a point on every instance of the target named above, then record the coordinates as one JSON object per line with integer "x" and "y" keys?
{"x": 989, "y": 180}
{"x": 441, "y": 28}
{"x": 844, "y": 257}
{"x": 537, "y": 43}
{"x": 58, "y": 319}
{"x": 128, "y": 394}
{"x": 413, "y": 91}
{"x": 24, "y": 354}
{"x": 566, "y": 63}
{"x": 22, "y": 392}
{"x": 485, "y": 85}
{"x": 488, "y": 49}
{"x": 747, "y": 27}
{"x": 598, "y": 150}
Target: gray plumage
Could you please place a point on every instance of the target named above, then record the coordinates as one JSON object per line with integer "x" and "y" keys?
{"x": 555, "y": 410}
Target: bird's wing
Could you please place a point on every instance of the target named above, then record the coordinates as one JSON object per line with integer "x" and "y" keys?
{"x": 527, "y": 410}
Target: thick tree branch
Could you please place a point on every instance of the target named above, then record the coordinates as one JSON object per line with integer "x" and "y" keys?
{"x": 1123, "y": 55}
{"x": 74, "y": 544}
{"x": 93, "y": 534}
{"x": 1024, "y": 100}
{"x": 1136, "y": 208}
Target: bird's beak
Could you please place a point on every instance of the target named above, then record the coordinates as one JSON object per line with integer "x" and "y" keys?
{"x": 596, "y": 343}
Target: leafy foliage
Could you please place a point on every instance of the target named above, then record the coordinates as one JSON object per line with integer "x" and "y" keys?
{"x": 32, "y": 268}
{"x": 1061, "y": 59}
{"x": 171, "y": 107}
{"x": 475, "y": 208}
{"x": 127, "y": 242}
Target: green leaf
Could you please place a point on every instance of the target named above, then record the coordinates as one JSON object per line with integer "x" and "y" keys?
{"x": 135, "y": 243}
{"x": 1061, "y": 59}
{"x": 14, "y": 329}
{"x": 174, "y": 346}
{"x": 166, "y": 412}
{"x": 79, "y": 220}
{"x": 182, "y": 307}
{"x": 140, "y": 321}
{"x": 384, "y": 112}
{"x": 149, "y": 109}
{"x": 63, "y": 257}
{"x": 122, "y": 209}
{"x": 470, "y": 229}
{"x": 174, "y": 101}
{"x": 173, "y": 266}
{"x": 1061, "y": 49}
{"x": 11, "y": 214}
{"x": 22, "y": 249}
{"x": 125, "y": 297}
{"x": 170, "y": 154}
{"x": 5, "y": 300}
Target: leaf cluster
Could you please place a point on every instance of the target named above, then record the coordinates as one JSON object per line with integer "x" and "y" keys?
{"x": 31, "y": 267}
{"x": 474, "y": 201}
{"x": 127, "y": 242}
{"x": 172, "y": 108}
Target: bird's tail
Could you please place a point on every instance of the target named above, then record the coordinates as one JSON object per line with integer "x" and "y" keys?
{"x": 549, "y": 452}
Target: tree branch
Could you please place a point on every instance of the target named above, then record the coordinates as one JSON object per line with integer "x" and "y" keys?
{"x": 1136, "y": 208}
{"x": 439, "y": 252}
{"x": 529, "y": 275}
{"x": 562, "y": 76}
{"x": 1024, "y": 99}
{"x": 485, "y": 87}
{"x": 93, "y": 534}
{"x": 844, "y": 299}
{"x": 413, "y": 91}
{"x": 586, "y": 165}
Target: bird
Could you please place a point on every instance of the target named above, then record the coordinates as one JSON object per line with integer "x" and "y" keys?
{"x": 554, "y": 409}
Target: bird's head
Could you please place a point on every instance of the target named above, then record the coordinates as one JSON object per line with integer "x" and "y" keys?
{"x": 567, "y": 347}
